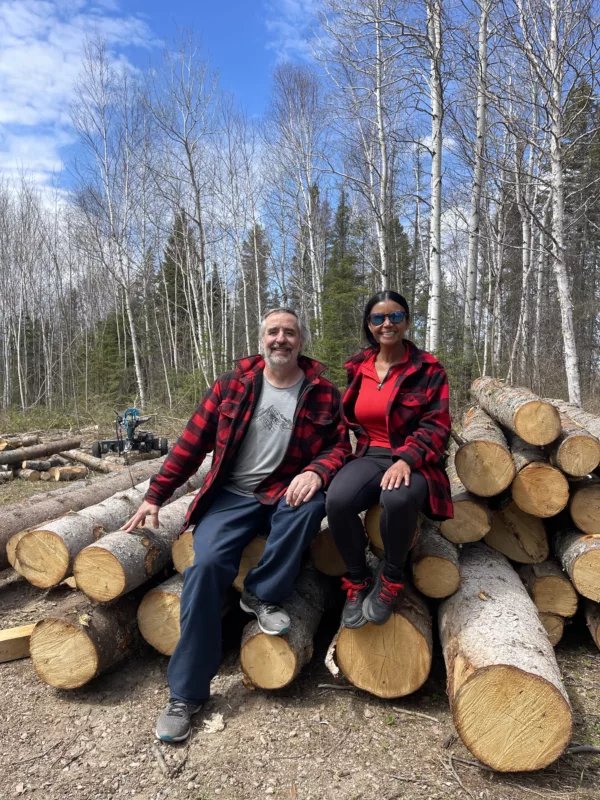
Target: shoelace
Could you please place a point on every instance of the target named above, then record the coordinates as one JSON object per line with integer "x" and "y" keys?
{"x": 353, "y": 588}
{"x": 177, "y": 708}
{"x": 389, "y": 591}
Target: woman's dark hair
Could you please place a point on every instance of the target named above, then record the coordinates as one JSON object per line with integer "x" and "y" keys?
{"x": 380, "y": 297}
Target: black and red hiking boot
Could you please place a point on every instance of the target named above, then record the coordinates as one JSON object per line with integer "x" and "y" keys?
{"x": 352, "y": 615}
{"x": 380, "y": 602}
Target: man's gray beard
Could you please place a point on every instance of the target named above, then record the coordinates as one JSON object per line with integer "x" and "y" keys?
{"x": 277, "y": 361}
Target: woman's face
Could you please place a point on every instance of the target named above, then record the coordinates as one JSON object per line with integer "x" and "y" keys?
{"x": 388, "y": 333}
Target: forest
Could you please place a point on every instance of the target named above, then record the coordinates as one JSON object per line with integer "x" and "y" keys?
{"x": 447, "y": 149}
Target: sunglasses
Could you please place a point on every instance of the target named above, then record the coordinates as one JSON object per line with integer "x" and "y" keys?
{"x": 395, "y": 318}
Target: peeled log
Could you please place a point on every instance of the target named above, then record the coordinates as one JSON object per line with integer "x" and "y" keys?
{"x": 483, "y": 463}
{"x": 390, "y": 660}
{"x": 38, "y": 451}
{"x": 576, "y": 451}
{"x": 549, "y": 588}
{"x": 97, "y": 464}
{"x": 554, "y": 625}
{"x": 434, "y": 563}
{"x": 506, "y": 695}
{"x": 580, "y": 556}
{"x": 584, "y": 506}
{"x": 17, "y": 517}
{"x": 272, "y": 662}
{"x": 70, "y": 650}
{"x": 30, "y": 475}
{"x": 519, "y": 536}
{"x": 325, "y": 554}
{"x": 538, "y": 488}
{"x": 472, "y": 518}
{"x": 592, "y": 617}
{"x": 518, "y": 409}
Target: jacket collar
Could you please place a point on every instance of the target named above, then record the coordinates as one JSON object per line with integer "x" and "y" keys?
{"x": 416, "y": 357}
{"x": 252, "y": 365}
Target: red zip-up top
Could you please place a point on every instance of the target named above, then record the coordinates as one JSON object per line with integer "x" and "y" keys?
{"x": 418, "y": 420}
{"x": 319, "y": 439}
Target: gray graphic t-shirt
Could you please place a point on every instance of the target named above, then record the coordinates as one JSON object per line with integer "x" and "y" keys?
{"x": 266, "y": 439}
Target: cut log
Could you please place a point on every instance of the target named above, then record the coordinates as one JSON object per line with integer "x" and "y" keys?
{"x": 483, "y": 463}
{"x": 506, "y": 695}
{"x": 538, "y": 488}
{"x": 11, "y": 550}
{"x": 549, "y": 588}
{"x": 554, "y": 625}
{"x": 45, "y": 476}
{"x": 390, "y": 660}
{"x": 472, "y": 518}
{"x": 592, "y": 617}
{"x": 584, "y": 505}
{"x": 580, "y": 556}
{"x": 5, "y": 477}
{"x": 590, "y": 422}
{"x": 70, "y": 650}
{"x": 576, "y": 451}
{"x": 120, "y": 562}
{"x": 434, "y": 563}
{"x": 97, "y": 464}
{"x": 182, "y": 552}
{"x": 38, "y": 451}
{"x": 40, "y": 466}
{"x": 68, "y": 473}
{"x": 272, "y": 662}
{"x": 325, "y": 554}
{"x": 10, "y": 443}
{"x": 31, "y": 475}
{"x": 17, "y": 517}
{"x": 518, "y": 409}
{"x": 519, "y": 536}
{"x": 14, "y": 643}
{"x": 158, "y": 615}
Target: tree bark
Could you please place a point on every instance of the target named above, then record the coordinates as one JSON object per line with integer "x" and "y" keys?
{"x": 40, "y": 466}
{"x": 18, "y": 441}
{"x": 506, "y": 695}
{"x": 538, "y": 488}
{"x": 549, "y": 588}
{"x": 484, "y": 463}
{"x": 434, "y": 563}
{"x": 519, "y": 536}
{"x": 38, "y": 450}
{"x": 576, "y": 451}
{"x": 580, "y": 557}
{"x": 518, "y": 409}
{"x": 472, "y": 518}
{"x": 68, "y": 473}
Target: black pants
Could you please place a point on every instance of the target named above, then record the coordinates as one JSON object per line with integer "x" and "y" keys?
{"x": 357, "y": 487}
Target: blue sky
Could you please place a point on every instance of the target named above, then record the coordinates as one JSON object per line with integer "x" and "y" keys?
{"x": 41, "y": 43}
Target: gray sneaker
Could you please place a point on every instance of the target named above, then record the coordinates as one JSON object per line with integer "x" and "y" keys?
{"x": 272, "y": 619}
{"x": 175, "y": 722}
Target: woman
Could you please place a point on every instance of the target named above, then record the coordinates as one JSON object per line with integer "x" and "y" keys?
{"x": 397, "y": 404}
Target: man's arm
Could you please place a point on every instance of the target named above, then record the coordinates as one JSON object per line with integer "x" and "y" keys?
{"x": 335, "y": 447}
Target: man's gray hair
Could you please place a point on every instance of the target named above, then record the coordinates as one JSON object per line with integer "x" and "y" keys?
{"x": 305, "y": 333}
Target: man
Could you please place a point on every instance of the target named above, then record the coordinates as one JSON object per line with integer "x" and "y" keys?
{"x": 278, "y": 439}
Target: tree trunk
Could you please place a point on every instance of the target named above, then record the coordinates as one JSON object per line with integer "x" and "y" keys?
{"x": 484, "y": 463}
{"x": 434, "y": 563}
{"x": 325, "y": 554}
{"x": 580, "y": 556}
{"x": 40, "y": 466}
{"x": 5, "y": 477}
{"x": 518, "y": 535}
{"x": 518, "y": 409}
{"x": 434, "y": 33}
{"x": 549, "y": 588}
{"x": 30, "y": 475}
{"x": 539, "y": 488}
{"x": 576, "y": 451}
{"x": 17, "y": 441}
{"x": 390, "y": 660}
{"x": 120, "y": 562}
{"x": 472, "y": 518}
{"x": 590, "y": 422}
{"x": 272, "y": 662}
{"x": 97, "y": 464}
{"x": 68, "y": 473}
{"x": 504, "y": 685}
{"x": 37, "y": 451}
{"x": 584, "y": 506}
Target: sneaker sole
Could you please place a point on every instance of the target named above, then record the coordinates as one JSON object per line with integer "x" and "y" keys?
{"x": 374, "y": 621}
{"x": 171, "y": 739}
{"x": 249, "y": 610}
{"x": 361, "y": 623}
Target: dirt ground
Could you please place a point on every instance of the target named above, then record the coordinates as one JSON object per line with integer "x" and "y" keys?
{"x": 304, "y": 742}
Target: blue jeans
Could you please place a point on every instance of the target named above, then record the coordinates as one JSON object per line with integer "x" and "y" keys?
{"x": 228, "y": 526}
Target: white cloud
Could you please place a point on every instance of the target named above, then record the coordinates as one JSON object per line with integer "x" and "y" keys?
{"x": 41, "y": 49}
{"x": 289, "y": 23}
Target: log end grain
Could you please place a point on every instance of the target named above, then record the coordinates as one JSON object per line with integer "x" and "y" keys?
{"x": 99, "y": 574}
{"x": 541, "y": 490}
{"x": 585, "y": 508}
{"x": 326, "y": 556}
{"x": 578, "y": 455}
{"x": 158, "y": 620}
{"x": 11, "y": 550}
{"x": 586, "y": 570}
{"x": 554, "y": 625}
{"x": 519, "y": 536}
{"x": 250, "y": 557}
{"x": 268, "y": 661}
{"x": 537, "y": 422}
{"x": 513, "y": 735}
{"x": 43, "y": 558}
{"x": 182, "y": 551}
{"x": 472, "y": 520}
{"x": 436, "y": 577}
{"x": 555, "y": 596}
{"x": 485, "y": 468}
{"x": 62, "y": 655}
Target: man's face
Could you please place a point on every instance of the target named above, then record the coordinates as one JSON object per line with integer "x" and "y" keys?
{"x": 281, "y": 341}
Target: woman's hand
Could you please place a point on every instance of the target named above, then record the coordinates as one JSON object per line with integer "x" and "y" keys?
{"x": 393, "y": 477}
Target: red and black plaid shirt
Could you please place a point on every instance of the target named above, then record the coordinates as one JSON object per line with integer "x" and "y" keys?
{"x": 319, "y": 439}
{"x": 418, "y": 420}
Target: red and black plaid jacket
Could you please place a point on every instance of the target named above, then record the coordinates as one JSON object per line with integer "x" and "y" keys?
{"x": 418, "y": 420}
{"x": 319, "y": 439}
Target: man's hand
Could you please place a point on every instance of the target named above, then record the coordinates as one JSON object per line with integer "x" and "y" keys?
{"x": 393, "y": 477}
{"x": 139, "y": 518}
{"x": 302, "y": 488}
